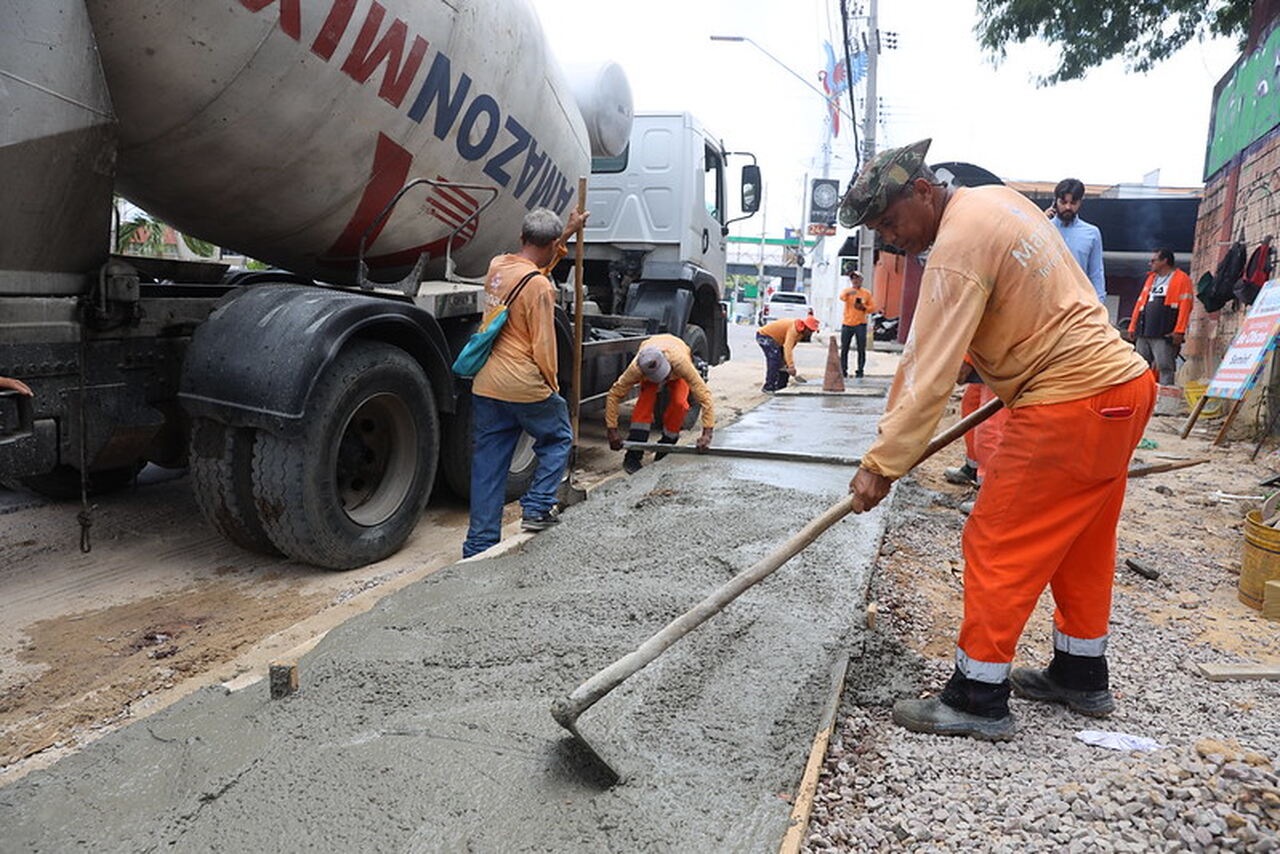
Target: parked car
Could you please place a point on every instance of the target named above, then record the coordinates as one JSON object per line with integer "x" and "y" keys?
{"x": 785, "y": 304}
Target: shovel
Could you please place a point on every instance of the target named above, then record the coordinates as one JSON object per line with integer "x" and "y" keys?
{"x": 568, "y": 709}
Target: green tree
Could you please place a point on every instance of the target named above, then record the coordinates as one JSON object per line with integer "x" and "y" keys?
{"x": 1087, "y": 33}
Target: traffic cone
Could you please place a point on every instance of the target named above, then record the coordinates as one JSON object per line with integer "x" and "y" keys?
{"x": 833, "y": 380}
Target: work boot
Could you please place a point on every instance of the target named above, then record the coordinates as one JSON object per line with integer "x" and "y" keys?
{"x": 539, "y": 520}
{"x": 965, "y": 707}
{"x": 965, "y": 475}
{"x": 631, "y": 461}
{"x": 1079, "y": 682}
{"x": 665, "y": 440}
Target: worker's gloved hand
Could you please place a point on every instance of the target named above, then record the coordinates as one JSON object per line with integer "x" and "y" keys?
{"x": 615, "y": 438}
{"x": 791, "y": 369}
{"x": 1178, "y": 339}
{"x": 704, "y": 441}
{"x": 1127, "y": 335}
{"x": 868, "y": 489}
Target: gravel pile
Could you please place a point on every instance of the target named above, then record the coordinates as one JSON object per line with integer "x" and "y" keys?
{"x": 1213, "y": 786}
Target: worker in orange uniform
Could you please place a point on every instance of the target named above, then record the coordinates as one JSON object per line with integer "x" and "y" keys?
{"x": 1159, "y": 321}
{"x": 857, "y": 305}
{"x": 778, "y": 340}
{"x": 981, "y": 442}
{"x": 664, "y": 361}
{"x": 1001, "y": 286}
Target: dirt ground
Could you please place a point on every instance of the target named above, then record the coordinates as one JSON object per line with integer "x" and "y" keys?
{"x": 1170, "y": 518}
{"x": 162, "y": 606}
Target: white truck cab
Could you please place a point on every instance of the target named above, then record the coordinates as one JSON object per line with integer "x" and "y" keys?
{"x": 659, "y": 219}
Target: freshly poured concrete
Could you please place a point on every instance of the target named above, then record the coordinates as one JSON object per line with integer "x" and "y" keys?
{"x": 424, "y": 726}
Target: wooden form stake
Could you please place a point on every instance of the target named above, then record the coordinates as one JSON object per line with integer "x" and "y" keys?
{"x": 1226, "y": 425}
{"x": 1195, "y": 414}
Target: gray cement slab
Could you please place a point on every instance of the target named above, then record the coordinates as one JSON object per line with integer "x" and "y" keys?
{"x": 424, "y": 724}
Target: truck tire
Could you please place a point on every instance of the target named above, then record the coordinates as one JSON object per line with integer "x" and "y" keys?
{"x": 222, "y": 481}
{"x": 459, "y": 447}
{"x": 63, "y": 482}
{"x": 350, "y": 487}
{"x": 696, "y": 338}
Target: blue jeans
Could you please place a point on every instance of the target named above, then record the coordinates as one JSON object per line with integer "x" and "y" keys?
{"x": 496, "y": 426}
{"x": 775, "y": 374}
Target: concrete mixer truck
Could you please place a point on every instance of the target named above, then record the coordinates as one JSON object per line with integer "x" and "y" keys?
{"x": 377, "y": 153}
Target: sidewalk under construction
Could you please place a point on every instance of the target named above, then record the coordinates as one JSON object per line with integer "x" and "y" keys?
{"x": 424, "y": 725}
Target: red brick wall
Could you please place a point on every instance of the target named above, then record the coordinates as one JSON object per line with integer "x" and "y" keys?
{"x": 1256, "y": 214}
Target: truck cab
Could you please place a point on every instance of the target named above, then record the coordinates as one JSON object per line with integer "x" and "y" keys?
{"x": 655, "y": 243}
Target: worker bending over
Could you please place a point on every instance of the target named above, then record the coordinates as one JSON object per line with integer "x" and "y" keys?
{"x": 778, "y": 340}
{"x": 664, "y": 361}
{"x": 1001, "y": 285}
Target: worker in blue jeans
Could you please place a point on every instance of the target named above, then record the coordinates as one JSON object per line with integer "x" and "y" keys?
{"x": 496, "y": 426}
{"x": 517, "y": 390}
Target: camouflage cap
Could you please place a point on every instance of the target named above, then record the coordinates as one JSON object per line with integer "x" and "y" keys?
{"x": 876, "y": 186}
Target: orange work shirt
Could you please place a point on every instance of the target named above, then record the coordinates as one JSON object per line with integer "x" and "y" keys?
{"x": 1000, "y": 284}
{"x": 682, "y": 368}
{"x": 854, "y": 316}
{"x": 522, "y": 366}
{"x": 786, "y": 331}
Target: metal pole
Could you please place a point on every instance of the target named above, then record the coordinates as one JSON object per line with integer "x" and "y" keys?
{"x": 866, "y": 239}
{"x": 804, "y": 220}
{"x": 764, "y": 216}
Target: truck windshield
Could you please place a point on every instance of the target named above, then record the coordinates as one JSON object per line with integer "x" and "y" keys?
{"x": 607, "y": 165}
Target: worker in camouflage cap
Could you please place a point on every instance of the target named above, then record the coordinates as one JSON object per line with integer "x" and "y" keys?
{"x": 1001, "y": 292}
{"x": 880, "y": 182}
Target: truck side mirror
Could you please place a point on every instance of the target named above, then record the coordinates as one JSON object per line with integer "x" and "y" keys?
{"x": 750, "y": 188}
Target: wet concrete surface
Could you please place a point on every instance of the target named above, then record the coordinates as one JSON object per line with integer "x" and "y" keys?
{"x": 424, "y": 724}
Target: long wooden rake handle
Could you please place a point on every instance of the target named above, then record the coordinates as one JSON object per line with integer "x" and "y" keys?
{"x": 567, "y": 710}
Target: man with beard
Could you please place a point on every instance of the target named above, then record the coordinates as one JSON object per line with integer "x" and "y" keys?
{"x": 1082, "y": 238}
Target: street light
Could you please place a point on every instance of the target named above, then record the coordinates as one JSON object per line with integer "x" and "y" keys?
{"x": 823, "y": 95}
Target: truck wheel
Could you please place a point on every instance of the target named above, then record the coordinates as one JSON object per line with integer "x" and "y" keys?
{"x": 696, "y": 338}
{"x": 455, "y": 459}
{"x": 350, "y": 487}
{"x": 63, "y": 482}
{"x": 222, "y": 480}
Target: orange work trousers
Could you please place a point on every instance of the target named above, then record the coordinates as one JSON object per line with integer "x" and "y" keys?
{"x": 677, "y": 406}
{"x": 981, "y": 442}
{"x": 1046, "y": 515}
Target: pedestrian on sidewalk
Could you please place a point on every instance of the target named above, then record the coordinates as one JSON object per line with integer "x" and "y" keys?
{"x": 1004, "y": 289}
{"x": 664, "y": 361}
{"x": 1159, "y": 321}
{"x": 517, "y": 390}
{"x": 778, "y": 340}
{"x": 857, "y": 305}
{"x": 1084, "y": 239}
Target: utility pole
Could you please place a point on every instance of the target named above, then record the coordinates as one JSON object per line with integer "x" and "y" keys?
{"x": 764, "y": 216}
{"x": 866, "y": 239}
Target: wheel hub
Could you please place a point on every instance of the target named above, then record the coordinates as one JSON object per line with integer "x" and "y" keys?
{"x": 377, "y": 459}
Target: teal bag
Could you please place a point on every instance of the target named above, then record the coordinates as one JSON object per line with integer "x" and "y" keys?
{"x": 480, "y": 344}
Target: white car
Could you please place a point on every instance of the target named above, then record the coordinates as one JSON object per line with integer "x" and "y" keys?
{"x": 785, "y": 304}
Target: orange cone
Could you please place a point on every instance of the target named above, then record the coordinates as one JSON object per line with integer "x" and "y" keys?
{"x": 833, "y": 380}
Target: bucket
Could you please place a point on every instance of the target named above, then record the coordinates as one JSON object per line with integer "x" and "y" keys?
{"x": 1193, "y": 391}
{"x": 1261, "y": 561}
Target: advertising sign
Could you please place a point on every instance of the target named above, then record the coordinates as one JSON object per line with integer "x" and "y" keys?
{"x": 1239, "y": 369}
{"x": 824, "y": 201}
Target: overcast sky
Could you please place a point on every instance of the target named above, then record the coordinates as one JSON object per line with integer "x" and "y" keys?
{"x": 1111, "y": 127}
